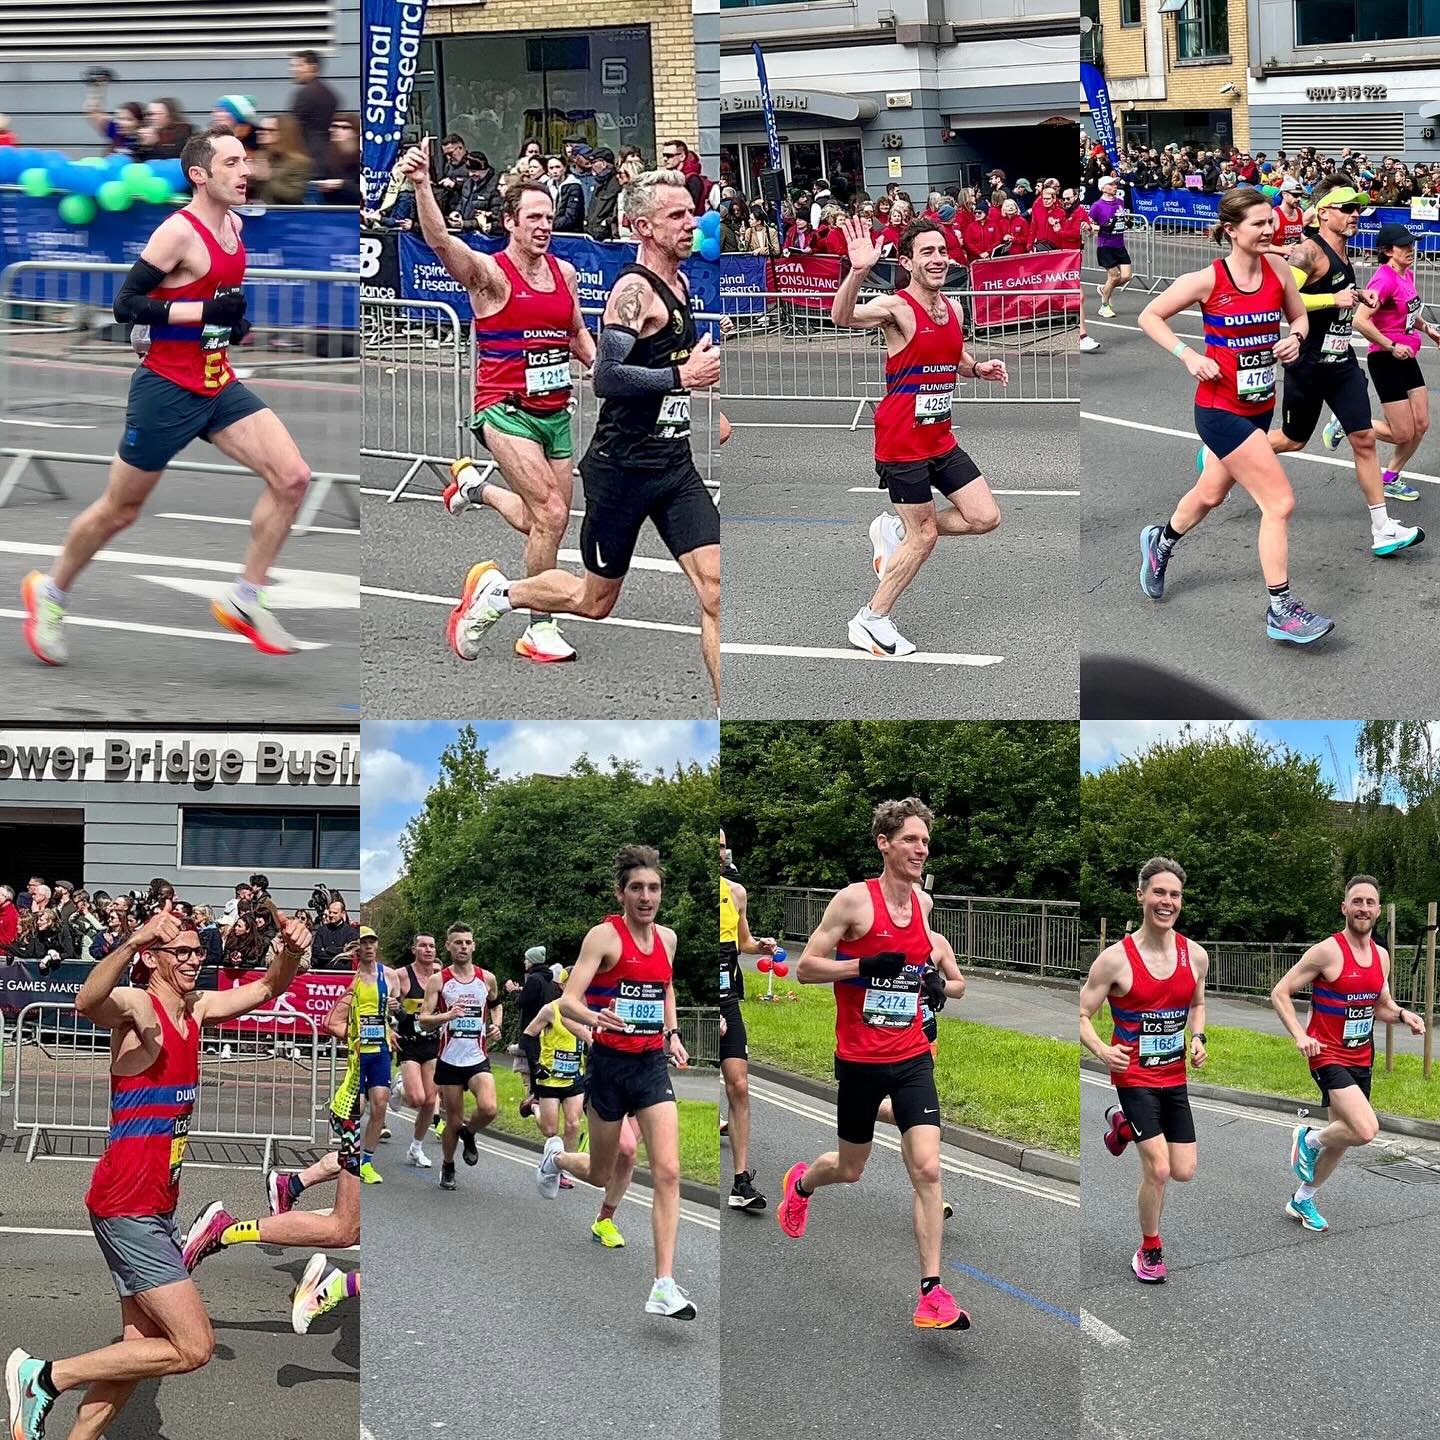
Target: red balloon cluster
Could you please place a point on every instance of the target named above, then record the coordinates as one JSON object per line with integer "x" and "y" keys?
{"x": 763, "y": 964}
{"x": 781, "y": 969}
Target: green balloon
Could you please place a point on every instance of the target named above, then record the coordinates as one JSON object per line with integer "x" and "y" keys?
{"x": 134, "y": 177}
{"x": 113, "y": 195}
{"x": 93, "y": 162}
{"x": 36, "y": 182}
{"x": 77, "y": 209}
{"x": 156, "y": 190}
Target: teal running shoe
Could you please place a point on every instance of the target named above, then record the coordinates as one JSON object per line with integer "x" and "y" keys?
{"x": 1290, "y": 621}
{"x": 1200, "y": 460}
{"x": 1302, "y": 1157}
{"x": 1305, "y": 1212}
{"x": 1398, "y": 489}
{"x": 29, "y": 1404}
{"x": 1332, "y": 434}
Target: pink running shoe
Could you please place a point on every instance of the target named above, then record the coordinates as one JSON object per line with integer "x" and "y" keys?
{"x": 938, "y": 1311}
{"x": 1119, "y": 1135}
{"x": 202, "y": 1239}
{"x": 793, "y": 1209}
{"x": 277, "y": 1187}
{"x": 1149, "y": 1265}
{"x": 566, "y": 1183}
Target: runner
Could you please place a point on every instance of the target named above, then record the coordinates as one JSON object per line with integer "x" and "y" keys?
{"x": 418, "y": 1049}
{"x": 1111, "y": 221}
{"x": 873, "y": 945}
{"x": 1327, "y": 372}
{"x": 1159, "y": 976}
{"x": 1348, "y": 975}
{"x": 155, "y": 1024}
{"x": 621, "y": 987}
{"x": 184, "y": 299}
{"x": 639, "y": 466}
{"x": 1242, "y": 298}
{"x": 915, "y": 447}
{"x": 559, "y": 1074}
{"x": 735, "y": 941}
{"x": 374, "y": 989}
{"x": 527, "y": 326}
{"x": 470, "y": 1016}
{"x": 1289, "y": 219}
{"x": 1395, "y": 327}
{"x": 322, "y": 1287}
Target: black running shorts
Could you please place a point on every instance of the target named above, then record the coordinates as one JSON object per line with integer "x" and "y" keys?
{"x": 910, "y": 481}
{"x": 162, "y": 418}
{"x": 734, "y": 1043}
{"x": 1111, "y": 257}
{"x": 621, "y": 1083}
{"x": 1393, "y": 378}
{"x": 910, "y": 1084}
{"x": 1222, "y": 431}
{"x": 1341, "y": 1077}
{"x": 1158, "y": 1110}
{"x": 421, "y": 1049}
{"x": 618, "y": 502}
{"x": 1311, "y": 385}
{"x": 460, "y": 1075}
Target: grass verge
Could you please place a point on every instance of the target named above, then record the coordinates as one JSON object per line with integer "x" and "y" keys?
{"x": 1021, "y": 1087}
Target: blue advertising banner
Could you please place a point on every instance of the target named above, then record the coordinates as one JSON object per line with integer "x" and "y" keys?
{"x": 22, "y": 984}
{"x": 393, "y": 31}
{"x": 742, "y": 284}
{"x": 1193, "y": 204}
{"x": 1097, "y": 97}
{"x": 767, "y": 108}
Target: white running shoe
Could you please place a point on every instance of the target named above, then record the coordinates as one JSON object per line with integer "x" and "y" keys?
{"x": 1395, "y": 537}
{"x": 547, "y": 1173}
{"x": 417, "y": 1157}
{"x": 305, "y": 1298}
{"x": 543, "y": 643}
{"x": 476, "y": 612}
{"x": 879, "y": 636}
{"x": 1088, "y": 343}
{"x": 1332, "y": 434}
{"x": 1107, "y": 312}
{"x": 253, "y": 620}
{"x": 464, "y": 488}
{"x": 668, "y": 1299}
{"x": 44, "y": 621}
{"x": 886, "y": 536}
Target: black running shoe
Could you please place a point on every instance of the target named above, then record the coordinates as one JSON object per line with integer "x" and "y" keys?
{"x": 744, "y": 1195}
{"x": 949, "y": 1211}
{"x": 467, "y": 1143}
{"x": 447, "y": 1177}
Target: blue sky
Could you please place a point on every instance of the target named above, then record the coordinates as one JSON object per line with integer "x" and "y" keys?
{"x": 400, "y": 760}
{"x": 1103, "y": 742}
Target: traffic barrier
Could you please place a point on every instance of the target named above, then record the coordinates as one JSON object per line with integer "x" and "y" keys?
{"x": 57, "y": 313}
{"x": 699, "y": 1034}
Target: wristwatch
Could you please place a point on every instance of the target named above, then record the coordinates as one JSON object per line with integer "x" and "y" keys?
{"x": 1198, "y": 1035}
{"x": 669, "y": 1033}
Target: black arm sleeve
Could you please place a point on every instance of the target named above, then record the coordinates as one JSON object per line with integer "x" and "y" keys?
{"x": 133, "y": 305}
{"x": 614, "y": 377}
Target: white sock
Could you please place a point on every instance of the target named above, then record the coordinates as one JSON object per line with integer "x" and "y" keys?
{"x": 245, "y": 592}
{"x": 501, "y": 600}
{"x": 53, "y": 592}
{"x": 1379, "y": 518}
{"x": 1305, "y": 1192}
{"x": 1312, "y": 1141}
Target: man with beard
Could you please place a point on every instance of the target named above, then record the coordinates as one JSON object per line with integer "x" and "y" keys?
{"x": 184, "y": 299}
{"x": 1154, "y": 981}
{"x": 1348, "y": 976}
{"x": 639, "y": 466}
{"x": 915, "y": 446}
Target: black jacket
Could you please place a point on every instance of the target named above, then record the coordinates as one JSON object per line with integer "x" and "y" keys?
{"x": 481, "y": 192}
{"x": 570, "y": 207}
{"x": 602, "y": 222}
{"x": 329, "y": 941}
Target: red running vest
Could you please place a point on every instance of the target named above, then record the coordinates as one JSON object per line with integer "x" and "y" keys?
{"x": 1288, "y": 232}
{"x": 139, "y": 1173}
{"x": 912, "y": 422}
{"x": 1150, "y": 1020}
{"x": 1342, "y": 1011}
{"x": 195, "y": 357}
{"x": 878, "y": 1021}
{"x": 635, "y": 990}
{"x": 524, "y": 347}
{"x": 1242, "y": 329}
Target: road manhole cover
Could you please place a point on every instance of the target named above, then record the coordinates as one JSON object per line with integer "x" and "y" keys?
{"x": 1408, "y": 1172}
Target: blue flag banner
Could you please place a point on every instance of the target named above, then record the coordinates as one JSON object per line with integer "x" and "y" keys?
{"x": 767, "y": 108}
{"x": 1097, "y": 96}
{"x": 393, "y": 30}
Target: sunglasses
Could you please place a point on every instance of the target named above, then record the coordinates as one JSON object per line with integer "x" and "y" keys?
{"x": 1345, "y": 209}
{"x": 184, "y": 952}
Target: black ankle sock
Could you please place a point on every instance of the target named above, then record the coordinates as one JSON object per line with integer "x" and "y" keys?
{"x": 1170, "y": 534}
{"x": 801, "y": 1190}
{"x": 928, "y": 1284}
{"x": 1278, "y": 591}
{"x": 46, "y": 1382}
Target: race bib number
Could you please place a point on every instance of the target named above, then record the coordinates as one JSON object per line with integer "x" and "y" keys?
{"x": 372, "y": 1031}
{"x": 933, "y": 409}
{"x": 472, "y": 1022}
{"x": 724, "y": 981}
{"x": 1162, "y": 1038}
{"x": 891, "y": 1007}
{"x": 1255, "y": 380}
{"x": 641, "y": 1005}
{"x": 1412, "y": 314}
{"x": 1359, "y": 1022}
{"x": 1336, "y": 344}
{"x": 566, "y": 1065}
{"x": 179, "y": 1140}
{"x": 547, "y": 371}
{"x": 673, "y": 422}
{"x": 214, "y": 337}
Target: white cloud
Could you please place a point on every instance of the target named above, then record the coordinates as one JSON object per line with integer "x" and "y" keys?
{"x": 551, "y": 747}
{"x": 1104, "y": 742}
{"x": 387, "y": 779}
{"x": 380, "y": 863}
{"x": 382, "y": 734}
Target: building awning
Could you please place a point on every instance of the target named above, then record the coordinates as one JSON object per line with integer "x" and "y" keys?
{"x": 1430, "y": 110}
{"x": 793, "y": 105}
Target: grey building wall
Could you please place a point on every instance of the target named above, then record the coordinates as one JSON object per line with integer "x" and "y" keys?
{"x": 1272, "y": 37}
{"x": 43, "y": 98}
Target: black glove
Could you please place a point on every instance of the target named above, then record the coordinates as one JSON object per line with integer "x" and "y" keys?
{"x": 227, "y": 309}
{"x": 885, "y": 966}
{"x": 933, "y": 984}
{"x": 239, "y": 330}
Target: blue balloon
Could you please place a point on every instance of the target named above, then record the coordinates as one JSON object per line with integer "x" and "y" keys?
{"x": 10, "y": 166}
{"x": 117, "y": 161}
{"x": 710, "y": 248}
{"x": 85, "y": 179}
{"x": 710, "y": 223}
{"x": 27, "y": 159}
{"x": 54, "y": 160}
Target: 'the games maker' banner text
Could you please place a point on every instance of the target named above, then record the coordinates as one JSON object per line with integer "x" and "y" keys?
{"x": 1014, "y": 287}
{"x": 393, "y": 30}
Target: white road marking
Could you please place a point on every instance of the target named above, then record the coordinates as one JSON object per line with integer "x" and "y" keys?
{"x": 314, "y": 579}
{"x": 135, "y": 626}
{"x": 1290, "y": 455}
{"x": 874, "y": 489}
{"x": 1100, "y": 1332}
{"x": 822, "y": 652}
{"x": 280, "y": 597}
{"x": 45, "y": 424}
{"x": 90, "y": 1234}
{"x": 238, "y": 520}
{"x": 1014, "y": 1180}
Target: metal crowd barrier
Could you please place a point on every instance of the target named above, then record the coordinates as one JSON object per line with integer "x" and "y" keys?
{"x": 699, "y": 1034}
{"x": 1139, "y": 241}
{"x": 58, "y": 312}
{"x": 258, "y": 1082}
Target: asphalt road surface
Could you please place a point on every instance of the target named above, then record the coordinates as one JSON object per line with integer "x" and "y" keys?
{"x": 993, "y": 616}
{"x": 490, "y": 1310}
{"x": 1262, "y": 1328}
{"x": 818, "y": 1334}
{"x": 263, "y": 1380}
{"x": 142, "y": 641}
{"x": 1138, "y": 442}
